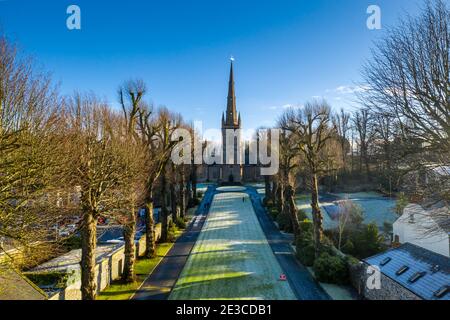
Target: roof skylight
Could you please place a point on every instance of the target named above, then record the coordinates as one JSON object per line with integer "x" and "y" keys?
{"x": 402, "y": 270}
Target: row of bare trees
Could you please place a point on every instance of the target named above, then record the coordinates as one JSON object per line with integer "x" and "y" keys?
{"x": 75, "y": 156}
{"x": 402, "y": 127}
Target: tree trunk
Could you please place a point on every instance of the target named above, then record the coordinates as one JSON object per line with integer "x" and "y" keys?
{"x": 173, "y": 202}
{"x": 129, "y": 233}
{"x": 88, "y": 247}
{"x": 280, "y": 200}
{"x": 274, "y": 191}
{"x": 366, "y": 163}
{"x": 189, "y": 192}
{"x": 268, "y": 192}
{"x": 150, "y": 241}
{"x": 194, "y": 181}
{"x": 182, "y": 193}
{"x": 164, "y": 213}
{"x": 292, "y": 210}
{"x": 317, "y": 215}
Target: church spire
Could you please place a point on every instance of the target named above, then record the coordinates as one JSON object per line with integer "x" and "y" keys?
{"x": 232, "y": 117}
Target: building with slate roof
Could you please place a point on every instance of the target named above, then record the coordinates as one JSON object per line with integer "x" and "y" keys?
{"x": 426, "y": 227}
{"x": 409, "y": 273}
{"x": 15, "y": 286}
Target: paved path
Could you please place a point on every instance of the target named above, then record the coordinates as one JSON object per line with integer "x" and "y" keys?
{"x": 301, "y": 281}
{"x": 160, "y": 283}
{"x": 232, "y": 259}
{"x": 164, "y": 278}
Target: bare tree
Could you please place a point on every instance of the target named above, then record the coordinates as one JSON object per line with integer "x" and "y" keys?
{"x": 29, "y": 151}
{"x": 408, "y": 78}
{"x": 168, "y": 124}
{"x": 362, "y": 122}
{"x": 132, "y": 151}
{"x": 92, "y": 167}
{"x": 156, "y": 133}
{"x": 341, "y": 122}
{"x": 288, "y": 155}
{"x": 312, "y": 128}
{"x": 349, "y": 215}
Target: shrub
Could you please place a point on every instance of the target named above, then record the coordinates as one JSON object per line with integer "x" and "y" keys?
{"x": 305, "y": 243}
{"x": 49, "y": 279}
{"x": 268, "y": 202}
{"x": 72, "y": 243}
{"x": 306, "y": 226}
{"x": 301, "y": 215}
{"x": 331, "y": 269}
{"x": 327, "y": 247}
{"x": 273, "y": 213}
{"x": 370, "y": 241}
{"x": 180, "y": 223}
{"x": 285, "y": 223}
{"x": 348, "y": 247}
{"x": 363, "y": 242}
{"x": 306, "y": 254}
{"x": 193, "y": 202}
{"x": 171, "y": 232}
{"x": 352, "y": 261}
{"x": 305, "y": 236}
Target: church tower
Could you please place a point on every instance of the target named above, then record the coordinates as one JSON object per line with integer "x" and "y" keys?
{"x": 231, "y": 125}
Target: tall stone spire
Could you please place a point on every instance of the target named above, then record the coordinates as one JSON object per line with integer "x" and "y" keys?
{"x": 231, "y": 117}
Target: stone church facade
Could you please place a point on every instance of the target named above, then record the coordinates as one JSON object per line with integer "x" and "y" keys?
{"x": 237, "y": 170}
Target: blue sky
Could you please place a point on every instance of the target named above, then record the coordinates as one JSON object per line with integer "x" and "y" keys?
{"x": 286, "y": 52}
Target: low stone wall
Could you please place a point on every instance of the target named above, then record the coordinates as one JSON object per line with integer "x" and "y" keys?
{"x": 108, "y": 269}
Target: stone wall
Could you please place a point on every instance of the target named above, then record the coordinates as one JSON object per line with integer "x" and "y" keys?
{"x": 390, "y": 289}
{"x": 110, "y": 268}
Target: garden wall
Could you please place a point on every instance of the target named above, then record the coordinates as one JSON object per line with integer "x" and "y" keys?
{"x": 109, "y": 268}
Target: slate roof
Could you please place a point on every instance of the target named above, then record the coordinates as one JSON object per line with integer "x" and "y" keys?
{"x": 105, "y": 234}
{"x": 435, "y": 266}
{"x": 15, "y": 286}
{"x": 71, "y": 260}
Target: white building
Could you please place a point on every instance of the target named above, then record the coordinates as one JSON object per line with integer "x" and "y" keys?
{"x": 424, "y": 227}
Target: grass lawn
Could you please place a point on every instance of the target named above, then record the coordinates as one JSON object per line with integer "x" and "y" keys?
{"x": 231, "y": 258}
{"x": 144, "y": 267}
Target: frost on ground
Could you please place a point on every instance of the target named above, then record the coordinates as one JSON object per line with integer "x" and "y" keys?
{"x": 232, "y": 258}
{"x": 376, "y": 208}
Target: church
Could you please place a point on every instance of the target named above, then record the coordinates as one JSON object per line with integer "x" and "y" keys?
{"x": 237, "y": 170}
